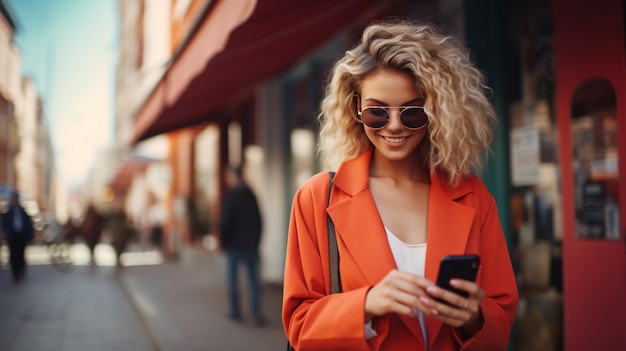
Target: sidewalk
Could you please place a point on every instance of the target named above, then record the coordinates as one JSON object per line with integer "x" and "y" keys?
{"x": 184, "y": 308}
{"x": 82, "y": 308}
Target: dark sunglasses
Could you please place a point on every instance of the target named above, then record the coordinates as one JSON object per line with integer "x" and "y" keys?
{"x": 376, "y": 117}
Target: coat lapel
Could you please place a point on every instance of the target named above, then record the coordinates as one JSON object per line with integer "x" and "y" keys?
{"x": 360, "y": 228}
{"x": 357, "y": 222}
{"x": 449, "y": 225}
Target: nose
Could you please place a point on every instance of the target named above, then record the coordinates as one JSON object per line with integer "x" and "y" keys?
{"x": 394, "y": 119}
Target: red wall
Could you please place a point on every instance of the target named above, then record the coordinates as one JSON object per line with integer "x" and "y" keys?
{"x": 589, "y": 43}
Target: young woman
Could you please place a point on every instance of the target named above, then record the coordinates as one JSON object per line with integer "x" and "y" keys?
{"x": 406, "y": 119}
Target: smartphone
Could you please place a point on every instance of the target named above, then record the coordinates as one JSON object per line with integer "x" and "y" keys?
{"x": 457, "y": 267}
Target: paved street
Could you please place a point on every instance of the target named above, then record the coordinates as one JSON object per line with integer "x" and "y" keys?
{"x": 145, "y": 306}
{"x": 85, "y": 309}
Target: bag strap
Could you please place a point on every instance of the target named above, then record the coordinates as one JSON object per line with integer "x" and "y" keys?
{"x": 333, "y": 254}
{"x": 333, "y": 250}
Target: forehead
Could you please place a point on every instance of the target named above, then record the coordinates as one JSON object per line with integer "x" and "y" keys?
{"x": 389, "y": 86}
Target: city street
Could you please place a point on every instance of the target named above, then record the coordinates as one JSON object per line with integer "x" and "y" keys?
{"x": 148, "y": 305}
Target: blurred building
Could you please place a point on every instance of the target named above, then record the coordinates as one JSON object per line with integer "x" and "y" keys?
{"x": 35, "y": 160}
{"x": 219, "y": 98}
{"x": 241, "y": 82}
{"x": 26, "y": 152}
{"x": 141, "y": 173}
{"x": 9, "y": 91}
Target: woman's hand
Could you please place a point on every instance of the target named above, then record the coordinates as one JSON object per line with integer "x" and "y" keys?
{"x": 464, "y": 313}
{"x": 399, "y": 292}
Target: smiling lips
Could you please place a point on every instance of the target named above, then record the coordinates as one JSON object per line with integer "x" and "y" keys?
{"x": 395, "y": 140}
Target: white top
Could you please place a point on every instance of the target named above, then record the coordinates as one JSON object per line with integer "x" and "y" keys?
{"x": 411, "y": 259}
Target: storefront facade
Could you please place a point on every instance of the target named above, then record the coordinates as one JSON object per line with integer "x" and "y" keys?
{"x": 243, "y": 87}
{"x": 557, "y": 71}
{"x": 591, "y": 99}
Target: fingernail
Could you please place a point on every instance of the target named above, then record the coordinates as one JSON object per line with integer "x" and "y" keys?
{"x": 432, "y": 289}
{"x": 424, "y": 300}
{"x": 434, "y": 311}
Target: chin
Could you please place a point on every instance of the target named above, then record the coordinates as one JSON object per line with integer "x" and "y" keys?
{"x": 396, "y": 155}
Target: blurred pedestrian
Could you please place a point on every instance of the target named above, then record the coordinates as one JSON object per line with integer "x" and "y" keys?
{"x": 240, "y": 228}
{"x": 121, "y": 231}
{"x": 156, "y": 219}
{"x": 18, "y": 231}
{"x": 71, "y": 231}
{"x": 91, "y": 230}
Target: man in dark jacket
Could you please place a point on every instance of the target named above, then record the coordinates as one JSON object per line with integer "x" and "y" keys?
{"x": 240, "y": 227}
{"x": 17, "y": 227}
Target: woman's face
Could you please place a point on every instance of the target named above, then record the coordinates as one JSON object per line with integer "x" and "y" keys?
{"x": 387, "y": 87}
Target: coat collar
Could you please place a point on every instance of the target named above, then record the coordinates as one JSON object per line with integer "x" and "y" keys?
{"x": 360, "y": 228}
{"x": 353, "y": 177}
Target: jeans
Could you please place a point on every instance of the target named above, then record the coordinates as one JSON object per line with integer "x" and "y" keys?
{"x": 250, "y": 258}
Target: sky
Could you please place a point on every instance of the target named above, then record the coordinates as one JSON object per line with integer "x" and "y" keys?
{"x": 69, "y": 48}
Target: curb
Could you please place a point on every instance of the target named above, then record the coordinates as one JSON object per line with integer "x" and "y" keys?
{"x": 141, "y": 316}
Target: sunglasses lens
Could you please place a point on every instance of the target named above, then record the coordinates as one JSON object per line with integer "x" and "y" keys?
{"x": 375, "y": 117}
{"x": 414, "y": 117}
{"x": 411, "y": 117}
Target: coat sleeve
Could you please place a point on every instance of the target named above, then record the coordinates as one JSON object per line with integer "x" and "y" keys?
{"x": 227, "y": 217}
{"x": 313, "y": 318}
{"x": 497, "y": 280}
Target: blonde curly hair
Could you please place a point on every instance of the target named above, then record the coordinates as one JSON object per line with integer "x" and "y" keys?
{"x": 461, "y": 117}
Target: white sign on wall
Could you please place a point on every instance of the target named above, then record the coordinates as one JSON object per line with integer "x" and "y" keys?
{"x": 525, "y": 155}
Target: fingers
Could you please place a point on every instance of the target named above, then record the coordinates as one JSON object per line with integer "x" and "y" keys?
{"x": 472, "y": 288}
{"x": 405, "y": 294}
{"x": 450, "y": 314}
{"x": 398, "y": 292}
{"x": 451, "y": 308}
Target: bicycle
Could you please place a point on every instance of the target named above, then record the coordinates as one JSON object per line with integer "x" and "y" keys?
{"x": 60, "y": 247}
{"x": 60, "y": 255}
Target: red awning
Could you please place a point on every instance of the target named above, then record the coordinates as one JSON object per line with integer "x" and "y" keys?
{"x": 213, "y": 67}
{"x": 126, "y": 172}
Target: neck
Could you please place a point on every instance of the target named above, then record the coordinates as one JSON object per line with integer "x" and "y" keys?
{"x": 410, "y": 169}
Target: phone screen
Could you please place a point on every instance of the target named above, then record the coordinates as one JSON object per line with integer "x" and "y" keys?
{"x": 460, "y": 267}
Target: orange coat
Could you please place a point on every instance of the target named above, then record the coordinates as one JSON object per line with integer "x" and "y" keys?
{"x": 461, "y": 220}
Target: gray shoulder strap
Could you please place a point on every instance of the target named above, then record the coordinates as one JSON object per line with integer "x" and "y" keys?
{"x": 333, "y": 250}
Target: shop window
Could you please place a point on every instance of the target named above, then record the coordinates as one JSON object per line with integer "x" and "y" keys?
{"x": 302, "y": 155}
{"x": 303, "y": 89}
{"x": 204, "y": 200}
{"x": 595, "y": 160}
{"x": 535, "y": 192}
